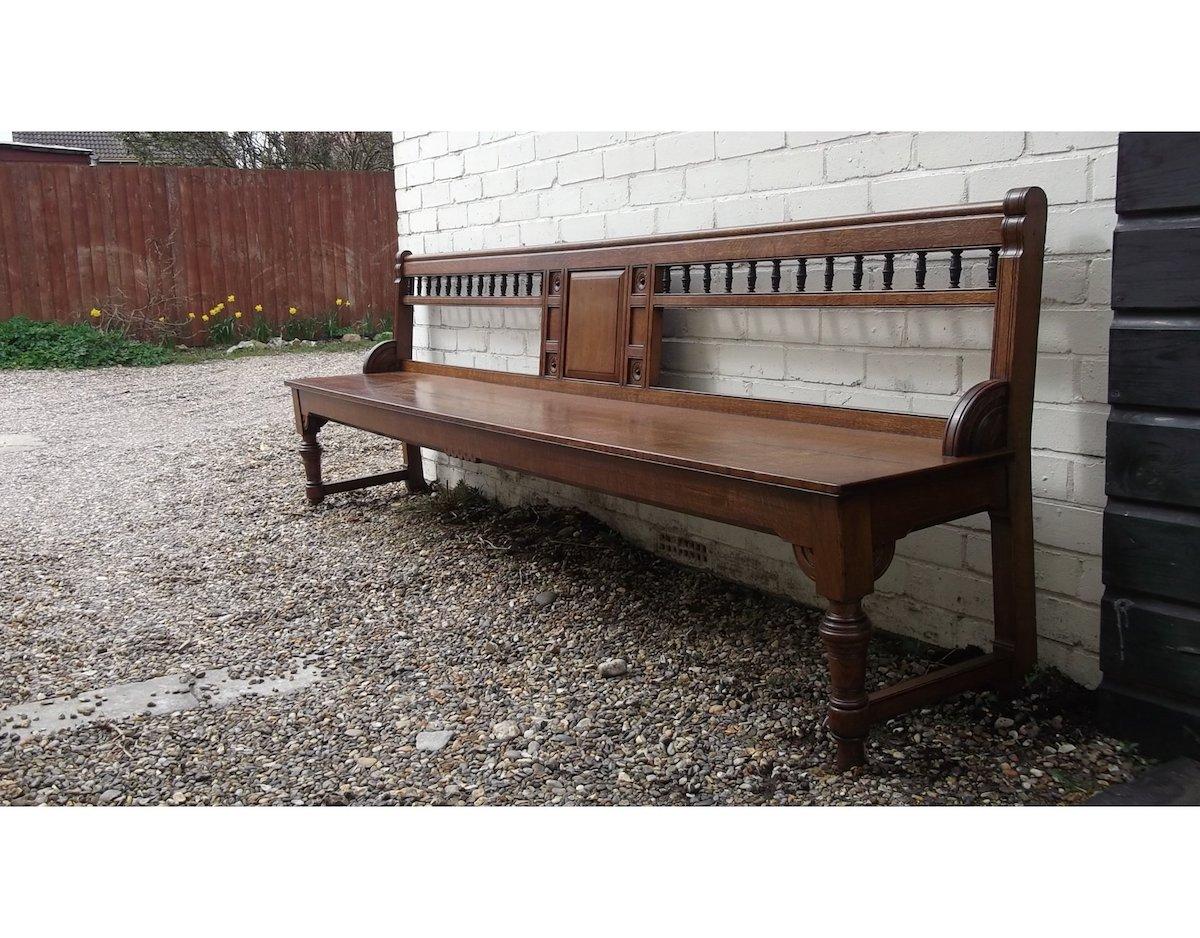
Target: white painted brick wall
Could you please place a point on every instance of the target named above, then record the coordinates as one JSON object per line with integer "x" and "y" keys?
{"x": 464, "y": 191}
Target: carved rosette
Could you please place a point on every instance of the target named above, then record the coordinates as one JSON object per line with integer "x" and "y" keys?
{"x": 635, "y": 371}
{"x": 979, "y": 423}
{"x": 552, "y": 364}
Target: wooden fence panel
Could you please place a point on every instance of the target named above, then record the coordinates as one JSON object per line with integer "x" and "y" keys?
{"x": 171, "y": 240}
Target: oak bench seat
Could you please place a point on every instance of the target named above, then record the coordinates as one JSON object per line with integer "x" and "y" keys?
{"x": 771, "y": 450}
{"x": 840, "y": 485}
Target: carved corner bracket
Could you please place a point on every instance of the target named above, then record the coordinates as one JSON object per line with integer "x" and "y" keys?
{"x": 881, "y": 559}
{"x": 383, "y": 357}
{"x": 979, "y": 423}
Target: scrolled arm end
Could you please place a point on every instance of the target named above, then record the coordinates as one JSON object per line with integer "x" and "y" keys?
{"x": 383, "y": 357}
{"x": 979, "y": 423}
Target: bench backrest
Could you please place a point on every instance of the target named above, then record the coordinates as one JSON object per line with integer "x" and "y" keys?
{"x": 601, "y": 302}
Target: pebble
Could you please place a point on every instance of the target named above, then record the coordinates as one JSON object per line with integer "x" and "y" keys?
{"x": 613, "y": 667}
{"x": 506, "y": 730}
{"x": 433, "y": 740}
{"x": 545, "y": 597}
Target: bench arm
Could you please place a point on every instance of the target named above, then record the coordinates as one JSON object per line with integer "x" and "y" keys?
{"x": 979, "y": 423}
{"x": 383, "y": 357}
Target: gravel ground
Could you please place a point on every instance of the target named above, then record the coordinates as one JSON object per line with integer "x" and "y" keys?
{"x": 162, "y": 529}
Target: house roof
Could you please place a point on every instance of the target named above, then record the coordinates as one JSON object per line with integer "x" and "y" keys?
{"x": 106, "y": 145}
{"x": 44, "y": 153}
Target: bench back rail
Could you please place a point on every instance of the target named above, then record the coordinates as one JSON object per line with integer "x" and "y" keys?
{"x": 602, "y": 302}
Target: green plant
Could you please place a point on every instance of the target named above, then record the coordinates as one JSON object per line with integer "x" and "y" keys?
{"x": 331, "y": 326}
{"x": 25, "y": 343}
{"x": 298, "y": 327}
{"x": 369, "y": 325}
{"x": 260, "y": 329}
{"x": 222, "y": 330}
{"x": 458, "y": 503}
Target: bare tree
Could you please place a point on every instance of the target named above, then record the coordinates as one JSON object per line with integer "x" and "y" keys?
{"x": 363, "y": 150}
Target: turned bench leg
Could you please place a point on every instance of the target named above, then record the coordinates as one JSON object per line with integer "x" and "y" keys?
{"x": 844, "y": 565}
{"x": 310, "y": 455}
{"x": 315, "y": 488}
{"x": 846, "y": 633}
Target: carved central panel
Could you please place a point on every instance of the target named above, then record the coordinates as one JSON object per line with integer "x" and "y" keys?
{"x": 595, "y": 315}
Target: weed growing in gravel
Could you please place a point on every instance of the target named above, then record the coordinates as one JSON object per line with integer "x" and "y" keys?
{"x": 25, "y": 343}
{"x": 457, "y": 503}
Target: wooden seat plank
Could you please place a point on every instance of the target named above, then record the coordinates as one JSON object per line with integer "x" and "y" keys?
{"x": 810, "y": 457}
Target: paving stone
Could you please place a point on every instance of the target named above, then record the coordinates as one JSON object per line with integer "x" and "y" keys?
{"x": 163, "y": 695}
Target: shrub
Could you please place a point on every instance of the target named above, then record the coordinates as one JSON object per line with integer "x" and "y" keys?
{"x": 25, "y": 343}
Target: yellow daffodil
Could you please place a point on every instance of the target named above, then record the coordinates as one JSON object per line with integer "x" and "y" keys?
{"x": 258, "y": 307}
{"x": 191, "y": 315}
{"x": 221, "y": 306}
{"x": 291, "y": 311}
{"x": 94, "y": 313}
{"x": 230, "y": 298}
{"x": 237, "y": 314}
{"x": 338, "y": 301}
{"x": 205, "y": 318}
{"x": 162, "y": 318}
{"x": 347, "y": 303}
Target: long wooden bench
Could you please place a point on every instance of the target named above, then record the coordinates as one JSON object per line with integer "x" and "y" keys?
{"x": 840, "y": 485}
